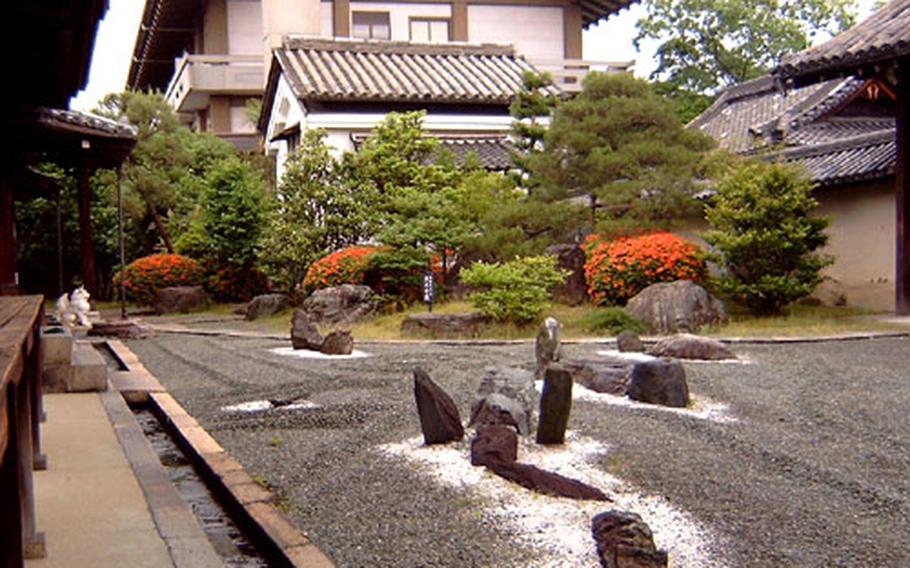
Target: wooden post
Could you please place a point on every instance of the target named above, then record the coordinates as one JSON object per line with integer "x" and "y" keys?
{"x": 9, "y": 284}
{"x": 87, "y": 248}
{"x": 902, "y": 188}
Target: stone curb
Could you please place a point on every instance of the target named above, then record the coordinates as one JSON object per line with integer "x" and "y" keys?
{"x": 250, "y": 503}
{"x": 592, "y": 341}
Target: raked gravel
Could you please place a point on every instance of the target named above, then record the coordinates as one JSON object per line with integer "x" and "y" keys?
{"x": 799, "y": 458}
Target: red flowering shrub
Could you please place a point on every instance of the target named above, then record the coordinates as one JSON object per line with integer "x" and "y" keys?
{"x": 144, "y": 275}
{"x": 618, "y": 269}
{"x": 345, "y": 266}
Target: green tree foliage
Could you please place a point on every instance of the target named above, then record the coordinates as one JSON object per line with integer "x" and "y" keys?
{"x": 316, "y": 211}
{"x": 687, "y": 104}
{"x": 516, "y": 291}
{"x": 535, "y": 101}
{"x": 709, "y": 44}
{"x": 167, "y": 168}
{"x": 762, "y": 225}
{"x": 622, "y": 146}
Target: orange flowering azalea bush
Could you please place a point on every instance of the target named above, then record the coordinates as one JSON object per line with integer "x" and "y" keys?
{"x": 618, "y": 269}
{"x": 144, "y": 275}
{"x": 344, "y": 266}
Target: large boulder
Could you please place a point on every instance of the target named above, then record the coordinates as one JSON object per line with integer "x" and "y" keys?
{"x": 304, "y": 333}
{"x": 497, "y": 409}
{"x": 338, "y": 343}
{"x": 494, "y": 443}
{"x": 574, "y": 289}
{"x": 343, "y": 304}
{"x": 555, "y": 406}
{"x": 266, "y": 305}
{"x": 624, "y": 540}
{"x": 610, "y": 377}
{"x": 670, "y": 307}
{"x": 180, "y": 299}
{"x": 444, "y": 325}
{"x": 440, "y": 421}
{"x": 513, "y": 383}
{"x": 687, "y": 346}
{"x": 661, "y": 381}
{"x": 546, "y": 482}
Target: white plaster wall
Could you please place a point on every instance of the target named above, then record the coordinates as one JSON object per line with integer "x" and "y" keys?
{"x": 286, "y": 111}
{"x": 244, "y": 27}
{"x": 861, "y": 237}
{"x": 535, "y": 31}
{"x": 399, "y": 14}
{"x": 326, "y": 20}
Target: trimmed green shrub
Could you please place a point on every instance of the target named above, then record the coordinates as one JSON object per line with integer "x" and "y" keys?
{"x": 611, "y": 320}
{"x": 768, "y": 240}
{"x": 516, "y": 291}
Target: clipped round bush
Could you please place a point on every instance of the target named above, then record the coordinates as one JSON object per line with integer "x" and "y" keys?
{"x": 516, "y": 291}
{"x": 618, "y": 269}
{"x": 611, "y": 320}
{"x": 145, "y": 275}
{"x": 344, "y": 266}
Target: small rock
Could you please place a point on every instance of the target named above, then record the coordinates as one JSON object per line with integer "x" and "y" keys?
{"x": 126, "y": 329}
{"x": 343, "y": 304}
{"x": 546, "y": 482}
{"x": 499, "y": 409}
{"x": 180, "y": 299}
{"x": 555, "y": 406}
{"x": 266, "y": 305}
{"x": 686, "y": 346}
{"x": 304, "y": 334}
{"x": 670, "y": 307}
{"x": 494, "y": 442}
{"x": 599, "y": 376}
{"x": 624, "y": 540}
{"x": 628, "y": 341}
{"x": 338, "y": 343}
{"x": 439, "y": 418}
{"x": 662, "y": 381}
{"x": 547, "y": 346}
{"x": 444, "y": 325}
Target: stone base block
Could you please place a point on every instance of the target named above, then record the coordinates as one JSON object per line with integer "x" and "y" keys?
{"x": 58, "y": 345}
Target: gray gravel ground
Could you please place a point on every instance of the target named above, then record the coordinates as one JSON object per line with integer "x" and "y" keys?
{"x": 814, "y": 472}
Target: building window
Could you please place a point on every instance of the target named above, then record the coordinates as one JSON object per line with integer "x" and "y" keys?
{"x": 371, "y": 25}
{"x": 430, "y": 30}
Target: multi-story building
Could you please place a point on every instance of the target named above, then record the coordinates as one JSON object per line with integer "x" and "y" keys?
{"x": 210, "y": 56}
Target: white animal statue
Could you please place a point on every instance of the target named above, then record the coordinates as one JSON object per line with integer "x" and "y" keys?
{"x": 74, "y": 309}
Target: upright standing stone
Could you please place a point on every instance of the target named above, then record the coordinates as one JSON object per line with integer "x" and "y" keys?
{"x": 555, "y": 406}
{"x": 547, "y": 346}
{"x": 439, "y": 418}
{"x": 304, "y": 333}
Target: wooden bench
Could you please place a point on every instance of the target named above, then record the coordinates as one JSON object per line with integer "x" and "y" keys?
{"x": 20, "y": 415}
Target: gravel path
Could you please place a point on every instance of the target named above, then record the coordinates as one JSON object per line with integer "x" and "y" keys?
{"x": 813, "y": 471}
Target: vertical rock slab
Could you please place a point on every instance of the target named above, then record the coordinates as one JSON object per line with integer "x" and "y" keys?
{"x": 624, "y": 540}
{"x": 304, "y": 333}
{"x": 662, "y": 381}
{"x": 439, "y": 418}
{"x": 555, "y": 406}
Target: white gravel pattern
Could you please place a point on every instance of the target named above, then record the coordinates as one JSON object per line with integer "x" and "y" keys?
{"x": 638, "y": 357}
{"x": 309, "y": 354}
{"x": 560, "y": 529}
{"x": 263, "y": 405}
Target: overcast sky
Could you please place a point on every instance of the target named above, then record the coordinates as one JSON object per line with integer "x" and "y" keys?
{"x": 608, "y": 41}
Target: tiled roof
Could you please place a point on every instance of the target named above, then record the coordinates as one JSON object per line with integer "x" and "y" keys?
{"x": 592, "y": 11}
{"x": 351, "y": 71}
{"x": 85, "y": 123}
{"x": 858, "y": 158}
{"x": 837, "y": 128}
{"x": 492, "y": 151}
{"x": 884, "y": 35}
{"x": 742, "y": 115}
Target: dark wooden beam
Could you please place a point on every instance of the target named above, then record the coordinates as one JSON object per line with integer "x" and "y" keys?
{"x": 8, "y": 285}
{"x": 902, "y": 188}
{"x": 87, "y": 246}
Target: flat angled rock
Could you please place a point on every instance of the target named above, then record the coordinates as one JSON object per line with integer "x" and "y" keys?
{"x": 546, "y": 482}
{"x": 439, "y": 418}
{"x": 688, "y": 346}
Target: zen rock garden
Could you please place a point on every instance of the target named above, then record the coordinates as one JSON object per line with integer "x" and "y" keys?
{"x": 505, "y": 407}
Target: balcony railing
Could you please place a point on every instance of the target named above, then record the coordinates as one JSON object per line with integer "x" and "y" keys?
{"x": 568, "y": 73}
{"x": 197, "y": 77}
